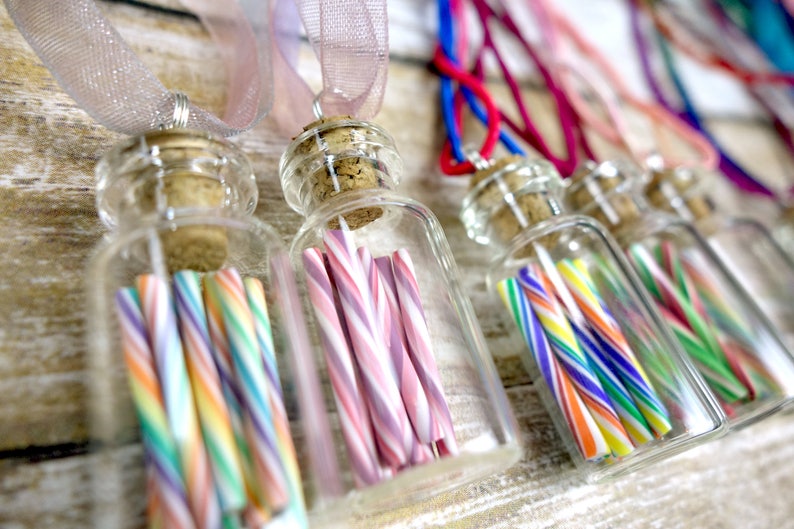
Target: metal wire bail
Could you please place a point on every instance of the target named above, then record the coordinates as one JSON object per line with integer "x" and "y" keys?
{"x": 181, "y": 110}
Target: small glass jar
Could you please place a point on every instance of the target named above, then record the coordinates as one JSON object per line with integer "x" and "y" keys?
{"x": 202, "y": 405}
{"x": 414, "y": 400}
{"x": 745, "y": 246}
{"x": 736, "y": 349}
{"x": 620, "y": 391}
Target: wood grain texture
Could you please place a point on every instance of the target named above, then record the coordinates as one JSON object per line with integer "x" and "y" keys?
{"x": 48, "y": 148}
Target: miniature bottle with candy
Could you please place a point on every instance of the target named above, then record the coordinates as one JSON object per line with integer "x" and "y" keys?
{"x": 196, "y": 336}
{"x": 745, "y": 246}
{"x": 733, "y": 345}
{"x": 411, "y": 393}
{"x": 618, "y": 387}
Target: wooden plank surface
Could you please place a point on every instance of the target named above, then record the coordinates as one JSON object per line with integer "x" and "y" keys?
{"x": 48, "y": 148}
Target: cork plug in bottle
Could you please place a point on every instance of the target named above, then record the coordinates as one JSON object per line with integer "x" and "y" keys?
{"x": 731, "y": 342}
{"x": 566, "y": 288}
{"x": 383, "y": 295}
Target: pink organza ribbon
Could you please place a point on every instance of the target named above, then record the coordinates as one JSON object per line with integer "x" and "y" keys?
{"x": 94, "y": 65}
{"x": 350, "y": 39}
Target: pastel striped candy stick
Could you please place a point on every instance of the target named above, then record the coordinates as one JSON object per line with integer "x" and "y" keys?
{"x": 717, "y": 374}
{"x": 417, "y": 334}
{"x": 573, "y": 360}
{"x": 387, "y": 412}
{"x": 756, "y": 377}
{"x": 585, "y": 432}
{"x": 158, "y": 310}
{"x": 227, "y": 286}
{"x": 616, "y": 349}
{"x": 350, "y": 401}
{"x": 231, "y": 392}
{"x": 255, "y": 294}
{"x": 381, "y": 274}
{"x": 158, "y": 442}
{"x": 212, "y": 411}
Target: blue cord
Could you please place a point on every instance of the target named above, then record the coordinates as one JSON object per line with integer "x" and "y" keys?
{"x": 446, "y": 38}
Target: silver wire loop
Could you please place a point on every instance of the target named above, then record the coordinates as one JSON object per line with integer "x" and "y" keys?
{"x": 316, "y": 108}
{"x": 476, "y": 159}
{"x": 181, "y": 110}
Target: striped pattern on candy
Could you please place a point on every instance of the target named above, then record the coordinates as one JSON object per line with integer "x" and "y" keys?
{"x": 353, "y": 415}
{"x": 719, "y": 376}
{"x": 212, "y": 411}
{"x": 613, "y": 343}
{"x": 231, "y": 390}
{"x": 387, "y": 412}
{"x": 255, "y": 294}
{"x": 410, "y": 388}
{"x": 738, "y": 341}
{"x": 586, "y": 434}
{"x": 566, "y": 347}
{"x": 158, "y": 311}
{"x": 685, "y": 321}
{"x": 419, "y": 346}
{"x": 381, "y": 275}
{"x": 146, "y": 393}
{"x": 227, "y": 286}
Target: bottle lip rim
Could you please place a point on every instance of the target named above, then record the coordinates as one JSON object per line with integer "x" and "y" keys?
{"x": 542, "y": 171}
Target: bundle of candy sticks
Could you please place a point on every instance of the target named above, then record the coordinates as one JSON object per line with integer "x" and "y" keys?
{"x": 602, "y": 390}
{"x": 392, "y": 409}
{"x": 204, "y": 382}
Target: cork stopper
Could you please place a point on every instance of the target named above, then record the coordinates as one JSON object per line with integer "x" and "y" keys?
{"x": 509, "y": 196}
{"x": 338, "y": 155}
{"x": 605, "y": 192}
{"x": 173, "y": 174}
{"x": 678, "y": 190}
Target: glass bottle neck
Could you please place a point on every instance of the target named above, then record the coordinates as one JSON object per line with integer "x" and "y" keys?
{"x": 508, "y": 197}
{"x": 334, "y": 156}
{"x": 173, "y": 172}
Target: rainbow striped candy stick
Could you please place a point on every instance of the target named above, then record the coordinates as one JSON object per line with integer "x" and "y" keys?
{"x": 586, "y": 434}
{"x": 350, "y": 402}
{"x": 227, "y": 286}
{"x": 682, "y": 316}
{"x": 231, "y": 392}
{"x": 566, "y": 347}
{"x": 213, "y": 413}
{"x": 158, "y": 311}
{"x": 630, "y": 416}
{"x": 420, "y": 350}
{"x": 378, "y": 377}
{"x": 381, "y": 275}
{"x": 147, "y": 398}
{"x": 613, "y": 343}
{"x": 255, "y": 294}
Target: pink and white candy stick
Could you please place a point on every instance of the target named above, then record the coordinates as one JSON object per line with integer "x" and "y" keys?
{"x": 350, "y": 403}
{"x": 168, "y": 496}
{"x": 378, "y": 378}
{"x": 427, "y": 428}
{"x": 158, "y": 311}
{"x": 420, "y": 350}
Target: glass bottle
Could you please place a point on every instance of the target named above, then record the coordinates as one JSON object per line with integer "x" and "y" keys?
{"x": 733, "y": 345}
{"x": 617, "y": 386}
{"x": 745, "y": 246}
{"x": 416, "y": 405}
{"x": 203, "y": 400}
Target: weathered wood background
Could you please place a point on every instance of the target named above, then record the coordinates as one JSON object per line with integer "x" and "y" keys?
{"x": 48, "y": 226}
